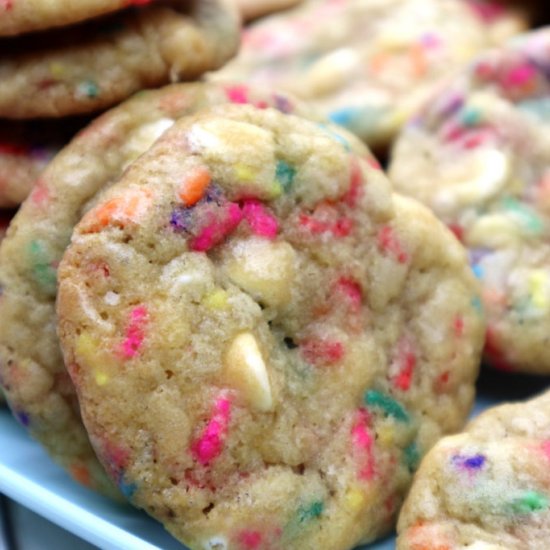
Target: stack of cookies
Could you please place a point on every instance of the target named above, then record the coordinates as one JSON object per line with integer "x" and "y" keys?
{"x": 217, "y": 307}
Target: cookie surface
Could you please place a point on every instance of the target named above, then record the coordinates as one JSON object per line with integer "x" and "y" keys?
{"x": 375, "y": 66}
{"x": 251, "y": 9}
{"x": 4, "y": 222}
{"x": 485, "y": 488}
{"x": 479, "y": 156}
{"x": 26, "y": 147}
{"x": 95, "y": 64}
{"x": 286, "y": 344}
{"x": 31, "y": 368}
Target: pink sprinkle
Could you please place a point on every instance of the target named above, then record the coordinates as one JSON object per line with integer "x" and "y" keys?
{"x": 363, "y": 441}
{"x": 260, "y": 220}
{"x": 355, "y": 190}
{"x": 322, "y": 352}
{"x": 210, "y": 444}
{"x": 519, "y": 76}
{"x": 388, "y": 242}
{"x": 251, "y": 540}
{"x": 352, "y": 290}
{"x": 237, "y": 94}
{"x": 134, "y": 333}
{"x": 545, "y": 447}
{"x": 221, "y": 227}
{"x": 458, "y": 326}
{"x": 487, "y": 11}
{"x": 40, "y": 193}
{"x": 457, "y": 230}
{"x": 407, "y": 363}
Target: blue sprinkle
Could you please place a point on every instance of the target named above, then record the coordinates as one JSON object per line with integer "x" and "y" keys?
{"x": 344, "y": 116}
{"x": 478, "y": 271}
{"x": 23, "y": 418}
{"x": 127, "y": 489}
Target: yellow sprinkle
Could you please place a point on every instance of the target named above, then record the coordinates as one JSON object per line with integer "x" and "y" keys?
{"x": 538, "y": 284}
{"x": 57, "y": 70}
{"x": 245, "y": 173}
{"x": 276, "y": 190}
{"x": 355, "y": 499}
{"x": 385, "y": 435}
{"x": 216, "y": 299}
{"x": 101, "y": 378}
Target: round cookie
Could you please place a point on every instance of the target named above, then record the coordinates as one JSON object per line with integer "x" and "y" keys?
{"x": 485, "y": 488}
{"x": 95, "y": 64}
{"x": 31, "y": 367}
{"x": 373, "y": 67}
{"x": 26, "y": 147}
{"x": 251, "y": 9}
{"x": 262, "y": 341}
{"x": 479, "y": 155}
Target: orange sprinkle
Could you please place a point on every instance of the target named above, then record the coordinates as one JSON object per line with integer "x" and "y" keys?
{"x": 379, "y": 62}
{"x": 194, "y": 186}
{"x": 418, "y": 60}
{"x": 81, "y": 474}
{"x": 118, "y": 211}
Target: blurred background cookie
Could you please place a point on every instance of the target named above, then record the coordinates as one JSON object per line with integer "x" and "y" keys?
{"x": 251, "y": 9}
{"x": 368, "y": 64}
{"x": 478, "y": 154}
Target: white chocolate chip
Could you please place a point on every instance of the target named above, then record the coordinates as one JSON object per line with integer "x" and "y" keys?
{"x": 140, "y": 140}
{"x": 263, "y": 268}
{"x": 246, "y": 371}
{"x": 215, "y": 543}
{"x": 490, "y": 173}
{"x": 111, "y": 298}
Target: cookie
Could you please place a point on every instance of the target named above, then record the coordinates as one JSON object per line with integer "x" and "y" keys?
{"x": 479, "y": 156}
{"x": 373, "y": 68}
{"x": 262, "y": 342}
{"x": 92, "y": 65}
{"x": 485, "y": 488}
{"x": 31, "y": 368}
{"x": 26, "y": 147}
{"x": 252, "y": 9}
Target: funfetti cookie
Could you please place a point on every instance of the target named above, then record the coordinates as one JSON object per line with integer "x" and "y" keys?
{"x": 263, "y": 338}
{"x": 485, "y": 488}
{"x": 31, "y": 368}
{"x": 26, "y": 147}
{"x": 368, "y": 64}
{"x": 98, "y": 63}
{"x": 251, "y": 9}
{"x": 479, "y": 155}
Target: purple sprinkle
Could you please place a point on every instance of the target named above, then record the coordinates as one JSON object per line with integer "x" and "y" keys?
{"x": 282, "y": 104}
{"x": 469, "y": 462}
{"x": 180, "y": 219}
{"x": 23, "y": 418}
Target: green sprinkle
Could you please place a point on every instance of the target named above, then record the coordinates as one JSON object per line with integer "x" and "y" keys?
{"x": 476, "y": 304}
{"x": 471, "y": 116}
{"x": 313, "y": 511}
{"x": 43, "y": 272}
{"x": 389, "y": 405}
{"x": 412, "y": 456}
{"x": 284, "y": 174}
{"x": 530, "y": 502}
{"x": 525, "y": 215}
{"x": 88, "y": 88}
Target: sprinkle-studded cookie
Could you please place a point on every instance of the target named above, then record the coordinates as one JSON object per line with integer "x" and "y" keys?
{"x": 263, "y": 338}
{"x": 31, "y": 368}
{"x": 367, "y": 63}
{"x": 98, "y": 63}
{"x": 479, "y": 156}
{"x": 26, "y": 147}
{"x": 485, "y": 488}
